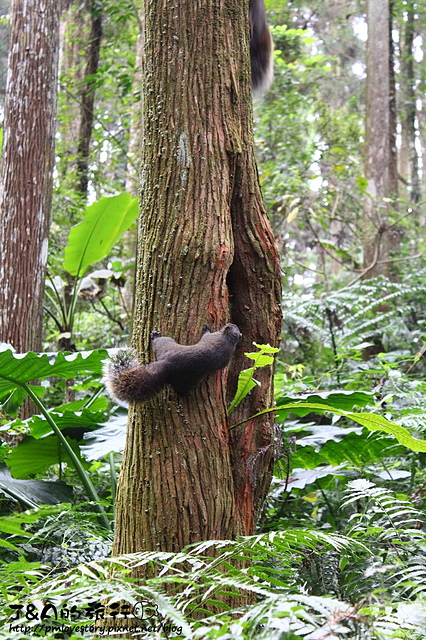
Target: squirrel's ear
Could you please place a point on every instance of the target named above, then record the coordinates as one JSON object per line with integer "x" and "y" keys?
{"x": 206, "y": 329}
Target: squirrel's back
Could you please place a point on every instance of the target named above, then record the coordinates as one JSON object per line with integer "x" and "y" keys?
{"x": 189, "y": 364}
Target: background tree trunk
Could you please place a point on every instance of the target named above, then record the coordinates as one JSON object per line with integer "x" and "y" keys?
{"x": 82, "y": 32}
{"x": 82, "y": 39}
{"x": 379, "y": 156}
{"x": 409, "y": 165}
{"x": 26, "y": 169}
{"x": 88, "y": 97}
{"x": 393, "y": 154}
{"x": 74, "y": 41}
{"x": 132, "y": 175}
{"x": 206, "y": 254}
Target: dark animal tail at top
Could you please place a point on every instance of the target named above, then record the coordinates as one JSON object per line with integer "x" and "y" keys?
{"x": 261, "y": 48}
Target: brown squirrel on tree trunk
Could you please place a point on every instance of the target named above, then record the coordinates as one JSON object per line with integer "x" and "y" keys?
{"x": 180, "y": 366}
{"x": 261, "y": 48}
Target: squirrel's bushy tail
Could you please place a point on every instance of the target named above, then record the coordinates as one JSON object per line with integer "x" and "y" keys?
{"x": 127, "y": 380}
{"x": 261, "y": 48}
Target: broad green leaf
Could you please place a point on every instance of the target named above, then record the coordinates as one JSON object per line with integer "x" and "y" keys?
{"x": 374, "y": 422}
{"x": 21, "y": 368}
{"x": 36, "y": 456}
{"x": 13, "y": 372}
{"x": 301, "y": 477}
{"x": 360, "y": 448}
{"x": 76, "y": 423}
{"x": 99, "y": 404}
{"x": 92, "y": 239}
{"x": 344, "y": 400}
{"x": 16, "y": 397}
{"x": 371, "y": 421}
{"x": 30, "y": 491}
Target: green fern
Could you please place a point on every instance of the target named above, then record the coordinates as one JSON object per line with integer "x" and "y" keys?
{"x": 347, "y": 317}
{"x": 265, "y": 567}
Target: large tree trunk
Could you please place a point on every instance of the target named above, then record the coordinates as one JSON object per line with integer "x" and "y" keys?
{"x": 206, "y": 254}
{"x": 380, "y": 157}
{"x": 26, "y": 169}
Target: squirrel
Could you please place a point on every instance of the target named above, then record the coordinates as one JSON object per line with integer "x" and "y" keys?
{"x": 180, "y": 366}
{"x": 261, "y": 48}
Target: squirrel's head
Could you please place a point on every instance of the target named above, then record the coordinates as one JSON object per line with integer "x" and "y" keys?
{"x": 232, "y": 332}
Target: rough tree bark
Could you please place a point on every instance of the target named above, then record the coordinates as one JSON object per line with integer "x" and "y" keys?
{"x": 380, "y": 170}
{"x": 26, "y": 169}
{"x": 205, "y": 254}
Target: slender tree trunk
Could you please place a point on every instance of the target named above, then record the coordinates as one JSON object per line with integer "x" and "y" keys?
{"x": 409, "y": 165}
{"x": 135, "y": 133}
{"x": 74, "y": 38}
{"x": 393, "y": 154}
{"x": 88, "y": 97}
{"x": 394, "y": 233}
{"x": 379, "y": 140}
{"x": 205, "y": 254}
{"x": 26, "y": 169}
{"x": 132, "y": 175}
{"x": 423, "y": 155}
{"x": 82, "y": 32}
